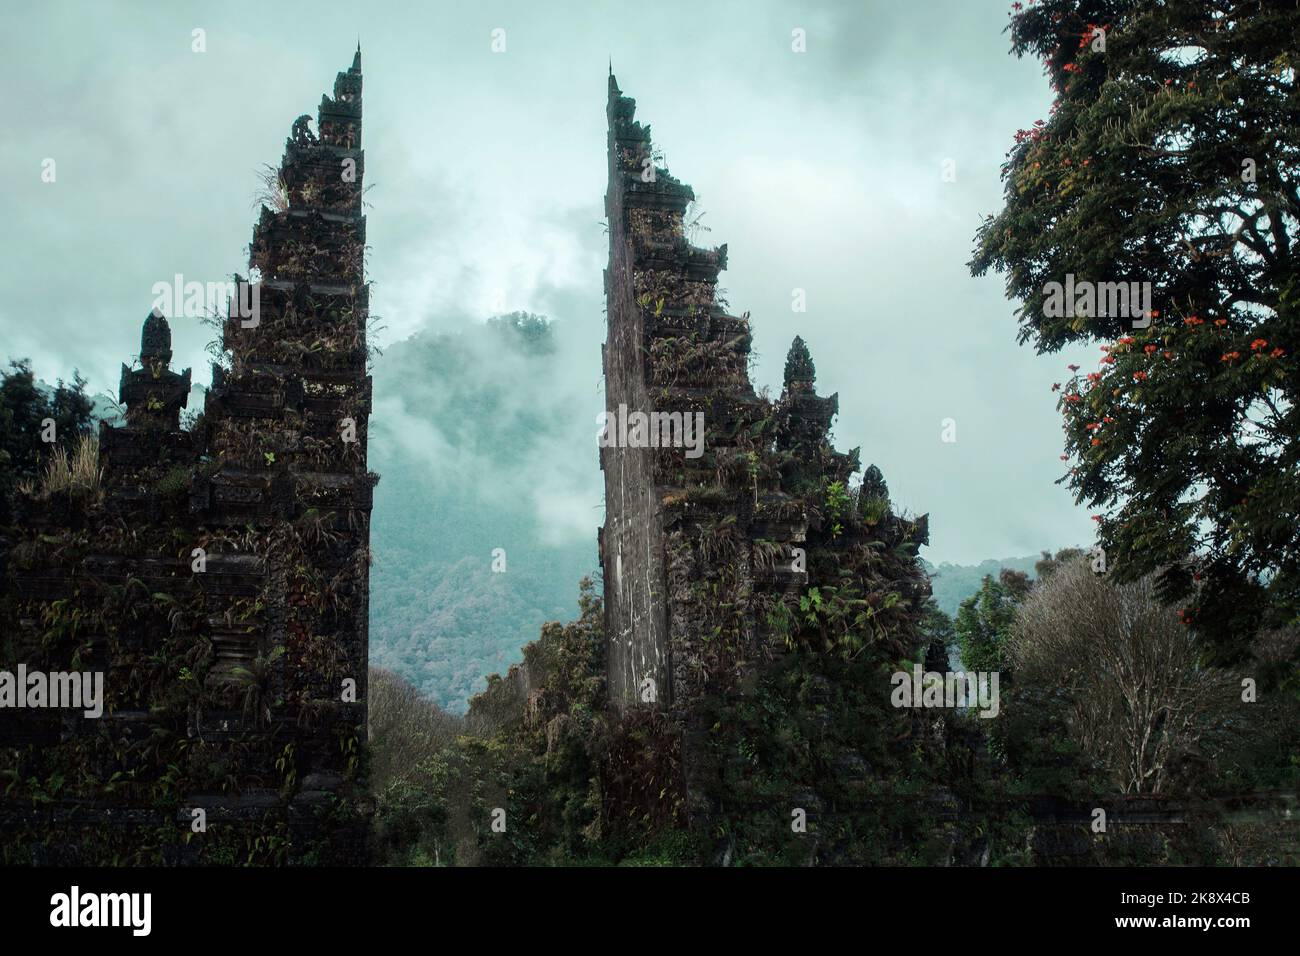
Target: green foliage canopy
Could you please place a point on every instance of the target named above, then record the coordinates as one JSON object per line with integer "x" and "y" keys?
{"x": 24, "y": 406}
{"x": 1170, "y": 157}
{"x": 984, "y": 620}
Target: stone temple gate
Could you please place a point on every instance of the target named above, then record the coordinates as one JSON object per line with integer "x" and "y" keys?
{"x": 217, "y": 575}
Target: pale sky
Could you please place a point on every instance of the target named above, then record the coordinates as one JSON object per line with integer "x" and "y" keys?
{"x": 821, "y": 170}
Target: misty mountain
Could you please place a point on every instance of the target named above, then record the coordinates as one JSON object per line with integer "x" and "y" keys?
{"x": 953, "y": 583}
{"x": 478, "y": 438}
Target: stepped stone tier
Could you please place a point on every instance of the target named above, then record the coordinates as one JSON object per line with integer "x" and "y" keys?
{"x": 696, "y": 551}
{"x": 218, "y": 576}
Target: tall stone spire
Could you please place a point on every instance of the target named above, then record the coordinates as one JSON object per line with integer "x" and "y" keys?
{"x": 671, "y": 348}
{"x": 288, "y": 427}
{"x": 238, "y": 548}
{"x": 704, "y": 547}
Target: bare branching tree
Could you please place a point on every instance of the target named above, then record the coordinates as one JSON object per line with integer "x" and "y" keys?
{"x": 1129, "y": 680}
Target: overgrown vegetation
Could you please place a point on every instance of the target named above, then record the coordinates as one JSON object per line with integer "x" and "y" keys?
{"x": 1106, "y": 689}
{"x": 40, "y": 435}
{"x": 1170, "y": 159}
{"x": 76, "y": 474}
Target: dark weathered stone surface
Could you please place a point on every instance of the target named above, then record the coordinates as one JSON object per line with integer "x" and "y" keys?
{"x": 225, "y": 682}
{"x": 696, "y": 550}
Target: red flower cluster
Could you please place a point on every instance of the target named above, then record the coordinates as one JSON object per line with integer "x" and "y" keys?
{"x": 1139, "y": 376}
{"x": 1230, "y": 356}
{"x": 1034, "y": 134}
{"x": 1193, "y": 321}
{"x": 1087, "y": 36}
{"x": 1258, "y": 344}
